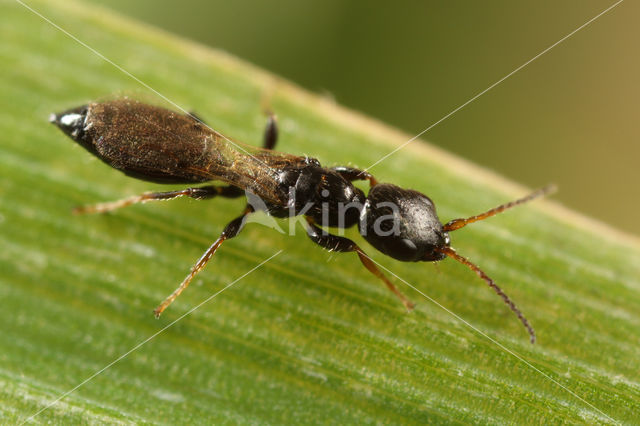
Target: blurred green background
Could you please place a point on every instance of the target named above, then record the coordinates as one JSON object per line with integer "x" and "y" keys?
{"x": 570, "y": 117}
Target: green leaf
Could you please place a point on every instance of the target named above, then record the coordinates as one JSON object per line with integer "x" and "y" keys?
{"x": 309, "y": 336}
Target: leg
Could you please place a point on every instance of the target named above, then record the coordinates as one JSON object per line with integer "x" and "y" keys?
{"x": 197, "y": 193}
{"x": 351, "y": 174}
{"x": 231, "y": 230}
{"x": 270, "y": 132}
{"x": 336, "y": 243}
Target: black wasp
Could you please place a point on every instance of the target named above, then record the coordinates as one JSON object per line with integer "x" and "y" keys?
{"x": 158, "y": 145}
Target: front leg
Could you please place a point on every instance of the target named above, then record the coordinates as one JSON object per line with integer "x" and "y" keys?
{"x": 351, "y": 174}
{"x": 341, "y": 244}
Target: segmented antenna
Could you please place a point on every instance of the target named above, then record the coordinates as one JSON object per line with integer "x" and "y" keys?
{"x": 459, "y": 223}
{"x": 452, "y": 254}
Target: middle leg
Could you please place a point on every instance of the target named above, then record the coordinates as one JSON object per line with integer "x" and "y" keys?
{"x": 232, "y": 229}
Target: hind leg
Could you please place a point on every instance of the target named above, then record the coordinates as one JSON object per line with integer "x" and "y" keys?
{"x": 270, "y": 132}
{"x": 201, "y": 193}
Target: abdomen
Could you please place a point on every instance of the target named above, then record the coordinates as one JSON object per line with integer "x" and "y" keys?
{"x": 152, "y": 143}
{"x": 159, "y": 145}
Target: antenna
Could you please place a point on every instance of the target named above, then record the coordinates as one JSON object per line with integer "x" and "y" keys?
{"x": 460, "y": 223}
{"x": 452, "y": 254}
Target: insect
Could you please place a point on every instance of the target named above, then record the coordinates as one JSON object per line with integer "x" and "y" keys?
{"x": 159, "y": 145}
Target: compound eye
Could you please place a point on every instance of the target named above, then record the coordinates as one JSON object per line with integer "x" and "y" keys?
{"x": 402, "y": 248}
